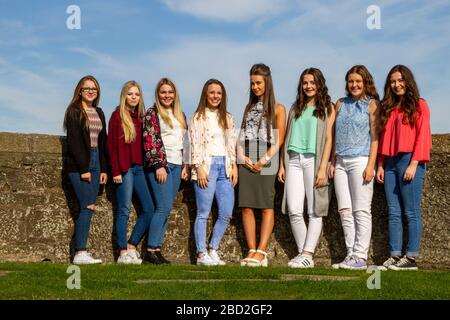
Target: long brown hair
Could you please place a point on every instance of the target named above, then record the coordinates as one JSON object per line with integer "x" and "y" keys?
{"x": 260, "y": 69}
{"x": 75, "y": 103}
{"x": 177, "y": 112}
{"x": 322, "y": 98}
{"x": 222, "y": 109}
{"x": 369, "y": 84}
{"x": 408, "y": 102}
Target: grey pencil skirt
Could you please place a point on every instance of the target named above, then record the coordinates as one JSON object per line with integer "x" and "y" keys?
{"x": 256, "y": 190}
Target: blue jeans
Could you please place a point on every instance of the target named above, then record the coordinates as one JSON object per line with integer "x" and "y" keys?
{"x": 86, "y": 193}
{"x": 220, "y": 187}
{"x": 164, "y": 195}
{"x": 133, "y": 180}
{"x": 403, "y": 197}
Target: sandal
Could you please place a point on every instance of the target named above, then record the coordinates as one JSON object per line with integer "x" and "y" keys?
{"x": 245, "y": 260}
{"x": 252, "y": 262}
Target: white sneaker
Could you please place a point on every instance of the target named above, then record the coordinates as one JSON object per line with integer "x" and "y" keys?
{"x": 135, "y": 255}
{"x": 205, "y": 260}
{"x": 303, "y": 262}
{"x": 294, "y": 260}
{"x": 340, "y": 264}
{"x": 126, "y": 258}
{"x": 214, "y": 255}
{"x": 85, "y": 257}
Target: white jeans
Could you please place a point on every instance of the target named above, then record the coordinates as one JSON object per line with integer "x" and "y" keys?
{"x": 354, "y": 200}
{"x": 300, "y": 181}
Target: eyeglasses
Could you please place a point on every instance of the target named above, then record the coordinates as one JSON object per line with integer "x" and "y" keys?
{"x": 89, "y": 89}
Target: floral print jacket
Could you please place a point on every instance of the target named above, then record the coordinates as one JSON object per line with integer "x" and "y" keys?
{"x": 154, "y": 152}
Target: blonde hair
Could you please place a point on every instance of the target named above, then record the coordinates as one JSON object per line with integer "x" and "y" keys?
{"x": 177, "y": 112}
{"x": 125, "y": 117}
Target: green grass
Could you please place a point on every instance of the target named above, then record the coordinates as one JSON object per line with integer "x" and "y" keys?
{"x": 48, "y": 281}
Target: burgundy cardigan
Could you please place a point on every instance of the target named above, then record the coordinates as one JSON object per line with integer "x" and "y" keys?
{"x": 122, "y": 156}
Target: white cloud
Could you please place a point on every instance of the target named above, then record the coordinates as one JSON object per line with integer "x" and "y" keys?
{"x": 320, "y": 35}
{"x": 228, "y": 11}
{"x": 104, "y": 62}
{"x": 230, "y": 62}
{"x": 31, "y": 102}
{"x": 224, "y": 59}
{"x": 16, "y": 33}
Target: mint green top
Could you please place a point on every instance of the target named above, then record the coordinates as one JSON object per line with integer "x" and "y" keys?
{"x": 303, "y": 133}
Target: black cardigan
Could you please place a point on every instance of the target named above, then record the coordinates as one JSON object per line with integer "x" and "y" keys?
{"x": 79, "y": 143}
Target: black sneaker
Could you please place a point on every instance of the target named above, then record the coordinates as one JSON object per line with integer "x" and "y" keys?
{"x": 151, "y": 257}
{"x": 404, "y": 264}
{"x": 389, "y": 262}
{"x": 161, "y": 258}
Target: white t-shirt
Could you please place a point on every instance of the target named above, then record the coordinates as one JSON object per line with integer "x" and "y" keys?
{"x": 217, "y": 144}
{"x": 172, "y": 139}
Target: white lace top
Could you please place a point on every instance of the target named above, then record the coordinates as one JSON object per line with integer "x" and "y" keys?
{"x": 255, "y": 127}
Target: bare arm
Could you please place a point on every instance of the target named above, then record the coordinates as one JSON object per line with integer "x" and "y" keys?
{"x": 280, "y": 123}
{"x": 333, "y": 143}
{"x": 369, "y": 172}
{"x": 281, "y": 168}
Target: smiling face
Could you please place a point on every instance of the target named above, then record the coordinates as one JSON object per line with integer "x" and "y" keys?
{"x": 397, "y": 83}
{"x": 166, "y": 95}
{"x": 258, "y": 85}
{"x": 355, "y": 85}
{"x": 133, "y": 97}
{"x": 89, "y": 92}
{"x": 309, "y": 86}
{"x": 214, "y": 95}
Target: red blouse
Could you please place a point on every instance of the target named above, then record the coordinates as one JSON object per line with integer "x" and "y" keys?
{"x": 401, "y": 137}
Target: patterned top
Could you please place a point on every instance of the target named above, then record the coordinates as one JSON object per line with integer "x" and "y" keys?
{"x": 155, "y": 155}
{"x": 201, "y": 134}
{"x": 95, "y": 126}
{"x": 255, "y": 127}
{"x": 353, "y": 128}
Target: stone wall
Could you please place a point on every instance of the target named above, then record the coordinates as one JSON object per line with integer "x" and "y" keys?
{"x": 37, "y": 207}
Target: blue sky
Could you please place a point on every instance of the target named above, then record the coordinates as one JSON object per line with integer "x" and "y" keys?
{"x": 190, "y": 41}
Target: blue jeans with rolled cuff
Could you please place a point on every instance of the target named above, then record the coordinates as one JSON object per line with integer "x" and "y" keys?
{"x": 133, "y": 180}
{"x": 403, "y": 198}
{"x": 164, "y": 195}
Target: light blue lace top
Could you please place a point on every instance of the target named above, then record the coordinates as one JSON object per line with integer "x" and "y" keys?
{"x": 353, "y": 128}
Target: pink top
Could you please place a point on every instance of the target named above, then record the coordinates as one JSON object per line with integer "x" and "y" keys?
{"x": 401, "y": 137}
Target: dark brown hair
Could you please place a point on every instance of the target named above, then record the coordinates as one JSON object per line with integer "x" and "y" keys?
{"x": 408, "y": 102}
{"x": 369, "y": 84}
{"x": 75, "y": 103}
{"x": 323, "y": 99}
{"x": 261, "y": 69}
{"x": 203, "y": 103}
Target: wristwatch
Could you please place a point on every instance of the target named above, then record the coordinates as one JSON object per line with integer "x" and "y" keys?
{"x": 267, "y": 158}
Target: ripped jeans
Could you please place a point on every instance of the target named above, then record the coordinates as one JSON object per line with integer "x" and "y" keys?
{"x": 220, "y": 187}
{"x": 86, "y": 192}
